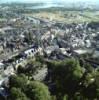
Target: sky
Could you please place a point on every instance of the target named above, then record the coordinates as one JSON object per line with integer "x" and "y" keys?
{"x": 51, "y": 1}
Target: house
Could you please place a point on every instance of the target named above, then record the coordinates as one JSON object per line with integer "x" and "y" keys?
{"x": 1, "y": 67}
{"x": 1, "y": 48}
{"x": 31, "y": 51}
{"x": 96, "y": 53}
{"x": 88, "y": 43}
{"x": 79, "y": 52}
{"x": 48, "y": 50}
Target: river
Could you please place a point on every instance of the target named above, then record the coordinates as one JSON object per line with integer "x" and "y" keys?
{"x": 46, "y": 5}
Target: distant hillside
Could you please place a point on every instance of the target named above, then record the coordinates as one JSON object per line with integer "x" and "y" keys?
{"x": 69, "y": 6}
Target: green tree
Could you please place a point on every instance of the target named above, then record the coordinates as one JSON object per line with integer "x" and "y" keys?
{"x": 17, "y": 94}
{"x": 30, "y": 69}
{"x": 38, "y": 91}
{"x": 67, "y": 75}
{"x": 20, "y": 70}
{"x": 91, "y": 86}
{"x": 19, "y": 81}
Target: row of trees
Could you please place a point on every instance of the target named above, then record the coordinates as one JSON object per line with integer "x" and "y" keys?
{"x": 23, "y": 89}
{"x": 71, "y": 80}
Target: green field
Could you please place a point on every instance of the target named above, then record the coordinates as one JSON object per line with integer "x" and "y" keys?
{"x": 66, "y": 16}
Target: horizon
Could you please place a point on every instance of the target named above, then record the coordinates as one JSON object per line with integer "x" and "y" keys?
{"x": 50, "y": 1}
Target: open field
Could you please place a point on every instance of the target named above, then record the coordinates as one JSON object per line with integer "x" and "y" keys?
{"x": 67, "y": 16}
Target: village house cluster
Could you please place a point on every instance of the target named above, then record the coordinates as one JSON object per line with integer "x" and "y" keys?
{"x": 23, "y": 36}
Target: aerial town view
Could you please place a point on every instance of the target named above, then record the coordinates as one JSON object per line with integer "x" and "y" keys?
{"x": 49, "y": 49}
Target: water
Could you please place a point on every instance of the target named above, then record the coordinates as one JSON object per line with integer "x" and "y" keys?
{"x": 45, "y": 6}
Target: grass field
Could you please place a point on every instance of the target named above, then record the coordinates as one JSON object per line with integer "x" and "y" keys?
{"x": 67, "y": 16}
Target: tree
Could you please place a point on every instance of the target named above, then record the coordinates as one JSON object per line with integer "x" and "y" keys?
{"x": 67, "y": 75}
{"x": 38, "y": 91}
{"x": 20, "y": 70}
{"x": 18, "y": 81}
{"x": 90, "y": 91}
{"x": 17, "y": 94}
{"x": 30, "y": 69}
{"x": 91, "y": 88}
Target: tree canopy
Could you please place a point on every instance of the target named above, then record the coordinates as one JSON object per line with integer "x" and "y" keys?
{"x": 38, "y": 91}
{"x": 17, "y": 94}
